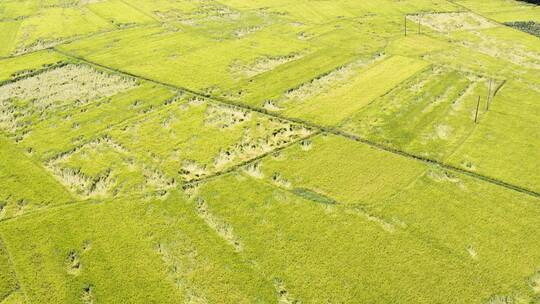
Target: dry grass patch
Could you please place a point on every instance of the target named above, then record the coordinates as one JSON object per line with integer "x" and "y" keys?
{"x": 79, "y": 83}
{"x": 157, "y": 179}
{"x": 472, "y": 252}
{"x": 503, "y": 49}
{"x": 224, "y": 117}
{"x": 70, "y": 85}
{"x": 280, "y": 181}
{"x": 444, "y": 176}
{"x": 73, "y": 263}
{"x": 241, "y": 32}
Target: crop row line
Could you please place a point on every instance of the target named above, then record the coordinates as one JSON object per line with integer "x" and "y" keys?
{"x": 320, "y": 128}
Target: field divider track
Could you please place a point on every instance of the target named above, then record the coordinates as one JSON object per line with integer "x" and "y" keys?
{"x": 320, "y": 128}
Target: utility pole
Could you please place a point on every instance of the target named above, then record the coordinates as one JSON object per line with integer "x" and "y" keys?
{"x": 489, "y": 94}
{"x": 405, "y": 25}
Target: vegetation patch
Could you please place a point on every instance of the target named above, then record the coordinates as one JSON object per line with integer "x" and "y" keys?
{"x": 531, "y": 27}
{"x": 270, "y": 151}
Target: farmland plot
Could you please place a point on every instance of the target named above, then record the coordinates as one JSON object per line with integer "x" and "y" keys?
{"x": 167, "y": 254}
{"x": 360, "y": 174}
{"x": 54, "y": 25}
{"x": 155, "y": 152}
{"x": 76, "y": 126}
{"x": 474, "y": 221}
{"x": 430, "y": 115}
{"x": 9, "y": 33}
{"x": 340, "y": 239}
{"x": 492, "y": 52}
{"x": 66, "y": 263}
{"x": 215, "y": 62}
{"x": 119, "y": 13}
{"x": 202, "y": 151}
{"x": 25, "y": 185}
{"x": 14, "y": 9}
{"x": 352, "y": 94}
{"x": 490, "y": 150}
{"x": 173, "y": 138}
{"x": 448, "y": 22}
{"x": 135, "y": 139}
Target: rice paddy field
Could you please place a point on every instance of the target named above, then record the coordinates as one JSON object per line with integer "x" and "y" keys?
{"x": 269, "y": 151}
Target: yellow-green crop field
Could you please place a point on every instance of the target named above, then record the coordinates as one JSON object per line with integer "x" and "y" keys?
{"x": 270, "y": 151}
